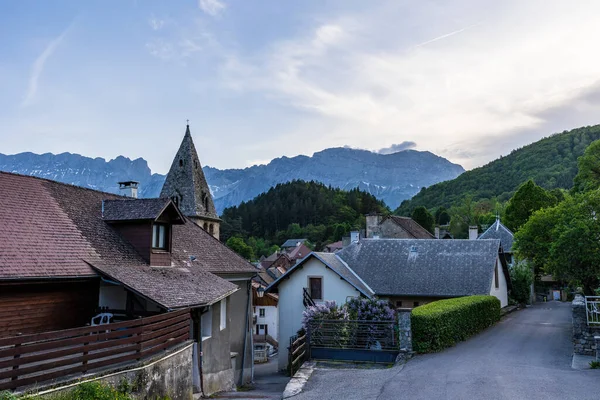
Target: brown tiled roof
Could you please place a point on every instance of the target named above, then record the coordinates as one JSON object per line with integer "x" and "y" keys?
{"x": 134, "y": 209}
{"x": 193, "y": 287}
{"x": 412, "y": 227}
{"x": 299, "y": 252}
{"x": 54, "y": 230}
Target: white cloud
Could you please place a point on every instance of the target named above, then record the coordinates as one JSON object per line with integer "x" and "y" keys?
{"x": 38, "y": 68}
{"x": 212, "y": 7}
{"x": 156, "y": 23}
{"x": 482, "y": 82}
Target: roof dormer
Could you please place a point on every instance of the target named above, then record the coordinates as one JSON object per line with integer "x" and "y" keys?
{"x": 146, "y": 224}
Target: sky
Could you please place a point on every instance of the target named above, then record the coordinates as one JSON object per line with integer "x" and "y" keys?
{"x": 260, "y": 79}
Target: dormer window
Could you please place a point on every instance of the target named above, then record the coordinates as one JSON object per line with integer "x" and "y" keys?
{"x": 160, "y": 237}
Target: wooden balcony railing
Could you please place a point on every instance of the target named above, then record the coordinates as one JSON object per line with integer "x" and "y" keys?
{"x": 39, "y": 358}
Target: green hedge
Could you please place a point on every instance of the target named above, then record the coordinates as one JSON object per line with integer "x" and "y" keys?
{"x": 443, "y": 323}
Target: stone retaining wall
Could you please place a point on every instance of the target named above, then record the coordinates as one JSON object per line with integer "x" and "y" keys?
{"x": 584, "y": 341}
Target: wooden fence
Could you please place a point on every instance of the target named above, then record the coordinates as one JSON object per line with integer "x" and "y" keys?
{"x": 38, "y": 358}
{"x": 298, "y": 353}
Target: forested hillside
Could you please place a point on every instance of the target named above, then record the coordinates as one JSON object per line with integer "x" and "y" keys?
{"x": 300, "y": 209}
{"x": 550, "y": 162}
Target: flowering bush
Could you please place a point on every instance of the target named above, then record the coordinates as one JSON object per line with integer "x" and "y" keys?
{"x": 321, "y": 311}
{"x": 370, "y": 310}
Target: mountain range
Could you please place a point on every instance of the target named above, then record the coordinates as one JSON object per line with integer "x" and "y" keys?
{"x": 389, "y": 177}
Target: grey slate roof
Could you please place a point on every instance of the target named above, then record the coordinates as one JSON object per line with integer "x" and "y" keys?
{"x": 501, "y": 232}
{"x": 437, "y": 268}
{"x": 336, "y": 265}
{"x": 292, "y": 242}
{"x": 134, "y": 209}
{"x": 186, "y": 182}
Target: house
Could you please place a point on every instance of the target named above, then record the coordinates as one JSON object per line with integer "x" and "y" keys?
{"x": 266, "y": 319}
{"x": 394, "y": 227}
{"x": 499, "y": 231}
{"x": 333, "y": 247}
{"x": 291, "y": 243}
{"x": 325, "y": 277}
{"x": 67, "y": 252}
{"x": 407, "y": 272}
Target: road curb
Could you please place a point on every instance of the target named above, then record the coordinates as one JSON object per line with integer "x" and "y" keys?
{"x": 296, "y": 384}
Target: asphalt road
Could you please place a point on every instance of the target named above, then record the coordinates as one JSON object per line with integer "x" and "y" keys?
{"x": 525, "y": 356}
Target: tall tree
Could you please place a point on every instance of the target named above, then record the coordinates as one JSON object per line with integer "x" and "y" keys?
{"x": 424, "y": 218}
{"x": 527, "y": 199}
{"x": 442, "y": 217}
{"x": 564, "y": 240}
{"x": 588, "y": 176}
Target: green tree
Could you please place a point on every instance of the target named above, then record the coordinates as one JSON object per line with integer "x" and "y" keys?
{"x": 238, "y": 245}
{"x": 521, "y": 277}
{"x": 424, "y": 218}
{"x": 442, "y": 217}
{"x": 527, "y": 199}
{"x": 588, "y": 176}
{"x": 564, "y": 240}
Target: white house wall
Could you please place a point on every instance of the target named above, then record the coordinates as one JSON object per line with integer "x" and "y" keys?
{"x": 270, "y": 319}
{"x": 502, "y": 292}
{"x": 290, "y": 299}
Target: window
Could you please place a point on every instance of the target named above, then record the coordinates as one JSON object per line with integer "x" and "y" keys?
{"x": 223, "y": 322}
{"x": 315, "y": 286}
{"x": 206, "y": 324}
{"x": 261, "y": 312}
{"x": 398, "y": 304}
{"x": 205, "y": 226}
{"x": 416, "y": 304}
{"x": 211, "y": 229}
{"x": 159, "y": 236}
{"x": 496, "y": 283}
{"x": 180, "y": 163}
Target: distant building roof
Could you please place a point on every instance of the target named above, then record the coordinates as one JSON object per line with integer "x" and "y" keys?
{"x": 411, "y": 226}
{"x": 335, "y": 246}
{"x": 292, "y": 243}
{"x": 336, "y": 265}
{"x": 501, "y": 232}
{"x": 298, "y": 252}
{"x": 418, "y": 267}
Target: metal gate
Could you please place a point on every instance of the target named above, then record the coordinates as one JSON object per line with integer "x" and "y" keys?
{"x": 367, "y": 341}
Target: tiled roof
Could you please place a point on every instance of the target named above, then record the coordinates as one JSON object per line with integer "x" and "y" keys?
{"x": 419, "y": 267}
{"x": 501, "y": 232}
{"x": 292, "y": 242}
{"x": 134, "y": 209}
{"x": 336, "y": 265}
{"x": 412, "y": 227}
{"x": 53, "y": 230}
{"x": 299, "y": 252}
{"x": 192, "y": 288}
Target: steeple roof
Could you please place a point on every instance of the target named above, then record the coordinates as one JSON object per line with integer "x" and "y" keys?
{"x": 186, "y": 185}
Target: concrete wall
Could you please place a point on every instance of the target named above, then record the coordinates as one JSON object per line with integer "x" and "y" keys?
{"x": 241, "y": 328}
{"x": 583, "y": 334}
{"x": 290, "y": 300}
{"x": 168, "y": 375}
{"x": 270, "y": 319}
{"x": 217, "y": 371}
{"x": 502, "y": 292}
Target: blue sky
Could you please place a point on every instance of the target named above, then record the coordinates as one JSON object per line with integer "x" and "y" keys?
{"x": 468, "y": 80}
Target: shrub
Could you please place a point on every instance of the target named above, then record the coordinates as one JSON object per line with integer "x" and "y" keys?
{"x": 321, "y": 311}
{"x": 443, "y": 323}
{"x": 594, "y": 364}
{"x": 370, "y": 310}
{"x": 521, "y": 277}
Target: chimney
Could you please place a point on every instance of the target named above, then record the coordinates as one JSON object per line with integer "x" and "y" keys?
{"x": 354, "y": 236}
{"x": 373, "y": 221}
{"x": 129, "y": 189}
{"x": 437, "y": 232}
{"x": 473, "y": 232}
